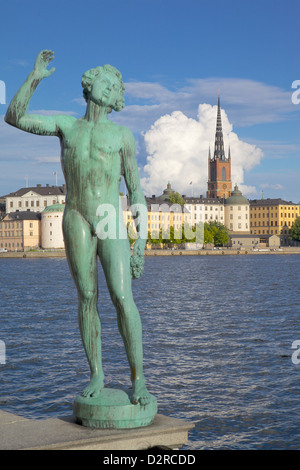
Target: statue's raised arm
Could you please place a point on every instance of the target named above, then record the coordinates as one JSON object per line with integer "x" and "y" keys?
{"x": 16, "y": 114}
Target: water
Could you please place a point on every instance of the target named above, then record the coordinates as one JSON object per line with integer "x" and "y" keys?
{"x": 218, "y": 334}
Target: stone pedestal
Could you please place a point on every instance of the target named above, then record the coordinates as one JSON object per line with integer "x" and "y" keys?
{"x": 18, "y": 433}
{"x": 113, "y": 410}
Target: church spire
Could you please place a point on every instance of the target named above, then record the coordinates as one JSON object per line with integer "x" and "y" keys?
{"x": 219, "y": 144}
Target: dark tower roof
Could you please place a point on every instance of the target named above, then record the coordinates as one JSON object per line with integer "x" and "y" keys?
{"x": 219, "y": 144}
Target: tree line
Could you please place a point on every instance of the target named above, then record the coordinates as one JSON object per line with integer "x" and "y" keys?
{"x": 212, "y": 232}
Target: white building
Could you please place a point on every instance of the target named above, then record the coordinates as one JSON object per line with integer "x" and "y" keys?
{"x": 34, "y": 199}
{"x": 205, "y": 210}
{"x": 51, "y": 227}
{"x": 237, "y": 212}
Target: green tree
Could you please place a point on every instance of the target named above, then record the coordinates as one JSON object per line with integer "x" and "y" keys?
{"x": 221, "y": 238}
{"x": 208, "y": 234}
{"x": 154, "y": 238}
{"x": 215, "y": 232}
{"x": 295, "y": 230}
{"x": 175, "y": 198}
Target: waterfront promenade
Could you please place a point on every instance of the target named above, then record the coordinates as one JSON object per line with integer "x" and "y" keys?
{"x": 169, "y": 252}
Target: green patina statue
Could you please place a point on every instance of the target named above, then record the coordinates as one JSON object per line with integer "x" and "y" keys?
{"x": 95, "y": 154}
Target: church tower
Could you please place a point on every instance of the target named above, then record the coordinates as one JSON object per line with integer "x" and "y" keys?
{"x": 219, "y": 167}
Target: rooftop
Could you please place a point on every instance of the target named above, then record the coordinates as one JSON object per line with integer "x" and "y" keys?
{"x": 22, "y": 215}
{"x": 55, "y": 208}
{"x": 271, "y": 202}
{"x": 39, "y": 189}
{"x": 236, "y": 197}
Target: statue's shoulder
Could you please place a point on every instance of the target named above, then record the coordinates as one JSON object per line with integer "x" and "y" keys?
{"x": 127, "y": 135}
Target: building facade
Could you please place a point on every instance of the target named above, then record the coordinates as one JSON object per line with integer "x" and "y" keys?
{"x": 20, "y": 231}
{"x": 51, "y": 227}
{"x": 203, "y": 210}
{"x": 273, "y": 217}
{"x": 237, "y": 212}
{"x": 34, "y": 199}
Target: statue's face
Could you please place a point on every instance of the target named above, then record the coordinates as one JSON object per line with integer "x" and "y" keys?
{"x": 105, "y": 89}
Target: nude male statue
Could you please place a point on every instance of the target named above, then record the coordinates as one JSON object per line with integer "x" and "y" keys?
{"x": 95, "y": 154}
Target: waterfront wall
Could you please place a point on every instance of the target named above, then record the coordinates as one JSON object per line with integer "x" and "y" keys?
{"x": 176, "y": 252}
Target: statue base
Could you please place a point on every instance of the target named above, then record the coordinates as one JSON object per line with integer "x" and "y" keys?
{"x": 113, "y": 409}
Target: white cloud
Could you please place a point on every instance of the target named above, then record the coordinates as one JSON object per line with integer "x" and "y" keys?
{"x": 177, "y": 148}
{"x": 276, "y": 186}
{"x": 247, "y": 102}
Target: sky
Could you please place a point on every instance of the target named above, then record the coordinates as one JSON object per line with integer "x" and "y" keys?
{"x": 175, "y": 56}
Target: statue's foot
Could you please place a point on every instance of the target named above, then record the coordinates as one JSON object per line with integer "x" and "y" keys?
{"x": 94, "y": 388}
{"x": 140, "y": 393}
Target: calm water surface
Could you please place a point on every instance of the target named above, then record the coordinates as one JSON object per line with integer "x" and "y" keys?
{"x": 218, "y": 334}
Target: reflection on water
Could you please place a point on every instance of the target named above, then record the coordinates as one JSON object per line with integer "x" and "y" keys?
{"x": 218, "y": 333}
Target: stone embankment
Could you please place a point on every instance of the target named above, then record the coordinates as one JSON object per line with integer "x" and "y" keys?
{"x": 159, "y": 252}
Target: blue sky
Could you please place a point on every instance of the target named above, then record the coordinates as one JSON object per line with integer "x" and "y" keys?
{"x": 174, "y": 55}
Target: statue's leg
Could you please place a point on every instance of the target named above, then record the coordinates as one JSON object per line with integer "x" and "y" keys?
{"x": 115, "y": 259}
{"x": 81, "y": 251}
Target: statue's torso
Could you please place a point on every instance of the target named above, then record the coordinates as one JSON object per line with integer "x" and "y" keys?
{"x": 91, "y": 157}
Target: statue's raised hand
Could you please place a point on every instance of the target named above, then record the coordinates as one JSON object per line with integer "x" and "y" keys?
{"x": 42, "y": 61}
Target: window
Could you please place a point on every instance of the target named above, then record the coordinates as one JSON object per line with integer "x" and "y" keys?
{"x": 11, "y": 204}
{"x": 223, "y": 174}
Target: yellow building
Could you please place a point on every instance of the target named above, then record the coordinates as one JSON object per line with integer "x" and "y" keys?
{"x": 162, "y": 215}
{"x": 273, "y": 217}
{"x": 20, "y": 231}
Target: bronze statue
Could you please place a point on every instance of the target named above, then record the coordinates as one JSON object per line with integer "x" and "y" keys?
{"x": 95, "y": 154}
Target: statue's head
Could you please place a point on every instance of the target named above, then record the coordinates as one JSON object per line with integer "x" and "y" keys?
{"x": 102, "y": 77}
